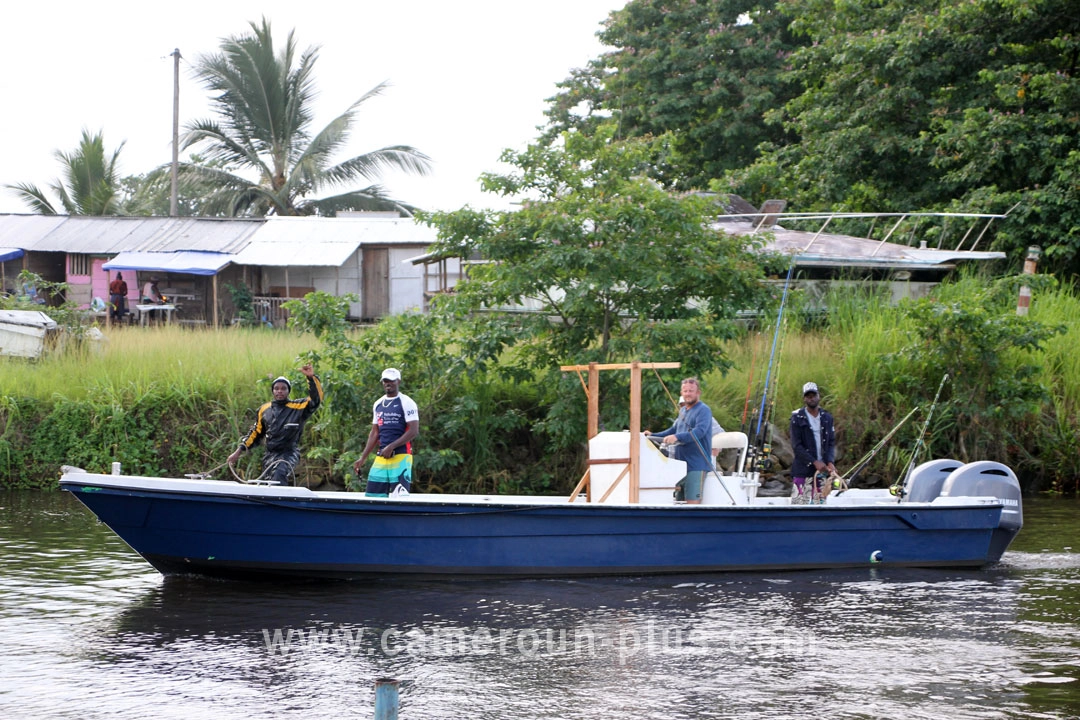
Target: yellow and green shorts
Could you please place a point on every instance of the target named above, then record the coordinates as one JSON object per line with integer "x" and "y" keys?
{"x": 390, "y": 476}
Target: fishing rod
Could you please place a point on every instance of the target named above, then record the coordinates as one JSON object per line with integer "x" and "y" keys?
{"x": 772, "y": 354}
{"x": 842, "y": 482}
{"x": 749, "y": 388}
{"x": 765, "y": 462}
{"x": 898, "y": 488}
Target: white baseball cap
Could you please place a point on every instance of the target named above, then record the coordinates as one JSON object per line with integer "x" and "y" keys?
{"x": 810, "y": 387}
{"x": 391, "y": 374}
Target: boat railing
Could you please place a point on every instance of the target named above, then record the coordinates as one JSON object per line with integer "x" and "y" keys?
{"x": 901, "y": 228}
{"x": 270, "y": 310}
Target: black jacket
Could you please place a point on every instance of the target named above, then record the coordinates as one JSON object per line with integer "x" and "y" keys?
{"x": 281, "y": 422}
{"x": 802, "y": 442}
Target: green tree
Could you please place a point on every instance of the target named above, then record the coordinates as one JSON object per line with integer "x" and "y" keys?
{"x": 151, "y": 193}
{"x": 90, "y": 184}
{"x": 971, "y": 331}
{"x": 263, "y": 99}
{"x": 610, "y": 266}
{"x": 935, "y": 105}
{"x": 710, "y": 73}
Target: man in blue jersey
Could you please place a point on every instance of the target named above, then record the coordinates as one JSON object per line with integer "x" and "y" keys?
{"x": 395, "y": 424}
{"x": 691, "y": 436}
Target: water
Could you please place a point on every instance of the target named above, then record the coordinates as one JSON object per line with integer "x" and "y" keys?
{"x": 90, "y": 631}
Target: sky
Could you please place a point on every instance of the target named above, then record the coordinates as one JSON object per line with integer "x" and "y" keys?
{"x": 467, "y": 79}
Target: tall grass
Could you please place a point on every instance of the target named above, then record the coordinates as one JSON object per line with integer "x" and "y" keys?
{"x": 160, "y": 400}
{"x": 866, "y": 356}
{"x": 136, "y": 361}
{"x": 1060, "y": 359}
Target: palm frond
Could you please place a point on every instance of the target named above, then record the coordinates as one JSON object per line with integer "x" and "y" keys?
{"x": 371, "y": 198}
{"x": 263, "y": 100}
{"x": 33, "y": 197}
{"x": 372, "y": 164}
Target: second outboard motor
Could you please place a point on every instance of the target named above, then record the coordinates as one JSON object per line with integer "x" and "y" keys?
{"x": 989, "y": 479}
{"x": 924, "y": 483}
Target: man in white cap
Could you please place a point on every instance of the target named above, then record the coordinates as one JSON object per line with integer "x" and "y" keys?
{"x": 281, "y": 422}
{"x": 395, "y": 423}
{"x": 813, "y": 439}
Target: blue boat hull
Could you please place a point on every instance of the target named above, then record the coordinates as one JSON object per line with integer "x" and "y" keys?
{"x": 241, "y": 534}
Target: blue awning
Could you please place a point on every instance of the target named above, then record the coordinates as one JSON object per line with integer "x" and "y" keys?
{"x": 188, "y": 262}
{"x": 10, "y": 254}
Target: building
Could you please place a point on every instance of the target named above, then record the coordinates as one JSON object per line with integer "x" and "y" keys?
{"x": 197, "y": 260}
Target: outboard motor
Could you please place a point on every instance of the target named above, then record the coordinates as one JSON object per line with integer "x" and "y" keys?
{"x": 989, "y": 479}
{"x": 924, "y": 483}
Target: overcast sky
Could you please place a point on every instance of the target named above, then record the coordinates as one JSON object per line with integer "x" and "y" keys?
{"x": 468, "y": 78}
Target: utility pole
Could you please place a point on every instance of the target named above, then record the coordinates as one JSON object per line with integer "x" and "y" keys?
{"x": 174, "y": 189}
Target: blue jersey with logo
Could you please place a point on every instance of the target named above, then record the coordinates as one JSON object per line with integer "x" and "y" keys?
{"x": 392, "y": 415}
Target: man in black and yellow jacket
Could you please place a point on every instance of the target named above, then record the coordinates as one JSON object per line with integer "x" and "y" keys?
{"x": 281, "y": 422}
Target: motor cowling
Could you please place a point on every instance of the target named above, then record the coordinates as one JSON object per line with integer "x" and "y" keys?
{"x": 988, "y": 479}
{"x": 925, "y": 482}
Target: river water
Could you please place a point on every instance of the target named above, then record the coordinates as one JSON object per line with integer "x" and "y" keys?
{"x": 89, "y": 630}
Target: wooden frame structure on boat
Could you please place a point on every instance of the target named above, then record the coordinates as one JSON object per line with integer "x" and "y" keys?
{"x": 592, "y": 393}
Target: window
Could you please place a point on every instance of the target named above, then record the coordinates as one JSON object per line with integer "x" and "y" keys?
{"x": 78, "y": 264}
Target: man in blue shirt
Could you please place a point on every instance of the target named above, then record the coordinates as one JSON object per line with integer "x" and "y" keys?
{"x": 395, "y": 423}
{"x": 692, "y": 437}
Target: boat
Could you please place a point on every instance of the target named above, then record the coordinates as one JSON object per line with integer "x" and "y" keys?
{"x": 622, "y": 519}
{"x": 25, "y": 333}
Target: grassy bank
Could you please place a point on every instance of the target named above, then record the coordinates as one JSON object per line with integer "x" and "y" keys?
{"x": 159, "y": 400}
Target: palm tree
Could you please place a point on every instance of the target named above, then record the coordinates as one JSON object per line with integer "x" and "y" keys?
{"x": 264, "y": 105}
{"x": 91, "y": 182}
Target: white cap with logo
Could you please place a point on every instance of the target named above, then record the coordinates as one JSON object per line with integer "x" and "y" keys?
{"x": 391, "y": 374}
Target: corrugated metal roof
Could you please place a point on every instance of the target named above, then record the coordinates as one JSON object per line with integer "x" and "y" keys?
{"x": 291, "y": 241}
{"x": 110, "y": 235}
{"x": 22, "y": 231}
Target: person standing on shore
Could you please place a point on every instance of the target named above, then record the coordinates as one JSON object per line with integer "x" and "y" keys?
{"x": 395, "y": 423}
{"x": 118, "y": 291}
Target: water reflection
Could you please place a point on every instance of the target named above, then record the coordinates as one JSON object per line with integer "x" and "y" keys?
{"x": 100, "y": 634}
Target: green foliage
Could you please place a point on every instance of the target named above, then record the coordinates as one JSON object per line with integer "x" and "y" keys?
{"x": 151, "y": 193}
{"x": 934, "y": 105}
{"x": 864, "y": 105}
{"x": 610, "y": 266}
{"x": 475, "y": 428}
{"x": 90, "y": 184}
{"x": 708, "y": 72}
{"x": 243, "y": 301}
{"x": 974, "y": 334}
{"x": 173, "y": 402}
{"x": 161, "y": 400}
{"x": 263, "y": 98}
